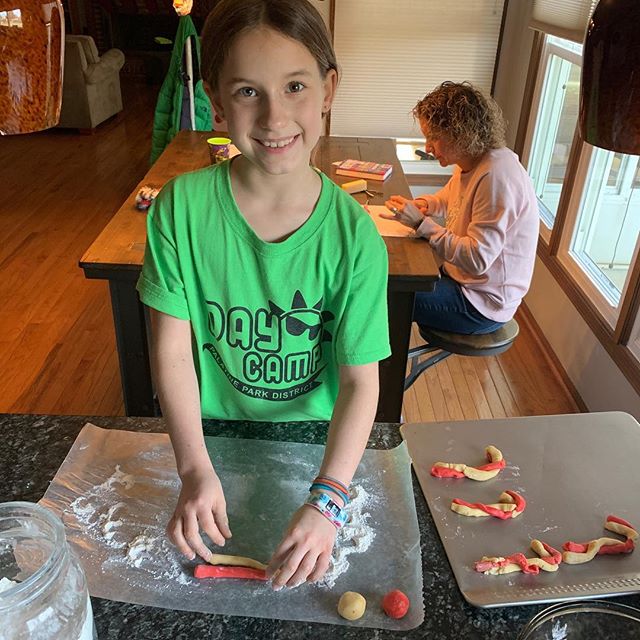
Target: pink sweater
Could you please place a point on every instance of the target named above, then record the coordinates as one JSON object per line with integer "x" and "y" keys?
{"x": 489, "y": 242}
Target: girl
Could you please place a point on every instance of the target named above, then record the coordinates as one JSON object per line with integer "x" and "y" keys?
{"x": 267, "y": 283}
{"x": 488, "y": 243}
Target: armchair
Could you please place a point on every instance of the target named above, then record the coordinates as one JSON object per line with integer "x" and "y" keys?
{"x": 91, "y": 88}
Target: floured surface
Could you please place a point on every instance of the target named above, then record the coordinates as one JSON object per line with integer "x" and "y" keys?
{"x": 116, "y": 491}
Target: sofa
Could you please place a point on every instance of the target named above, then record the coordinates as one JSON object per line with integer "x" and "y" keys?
{"x": 91, "y": 87}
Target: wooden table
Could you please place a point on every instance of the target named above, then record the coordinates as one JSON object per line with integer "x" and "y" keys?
{"x": 116, "y": 255}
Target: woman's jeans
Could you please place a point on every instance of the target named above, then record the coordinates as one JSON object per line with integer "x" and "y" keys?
{"x": 445, "y": 308}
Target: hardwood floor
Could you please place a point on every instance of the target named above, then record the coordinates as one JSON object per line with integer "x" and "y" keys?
{"x": 520, "y": 382}
{"x": 57, "y": 345}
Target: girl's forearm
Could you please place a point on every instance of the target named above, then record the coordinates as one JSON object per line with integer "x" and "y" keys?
{"x": 177, "y": 387}
{"x": 180, "y": 402}
{"x": 351, "y": 424}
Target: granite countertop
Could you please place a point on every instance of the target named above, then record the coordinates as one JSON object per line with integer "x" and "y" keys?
{"x": 33, "y": 447}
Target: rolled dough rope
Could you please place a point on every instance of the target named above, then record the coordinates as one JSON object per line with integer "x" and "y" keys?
{"x": 209, "y": 571}
{"x": 549, "y": 560}
{"x": 235, "y": 561}
{"x": 481, "y": 473}
{"x": 621, "y": 527}
{"x": 510, "y": 505}
{"x": 580, "y": 552}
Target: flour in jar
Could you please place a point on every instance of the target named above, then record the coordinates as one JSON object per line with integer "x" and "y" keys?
{"x": 5, "y": 584}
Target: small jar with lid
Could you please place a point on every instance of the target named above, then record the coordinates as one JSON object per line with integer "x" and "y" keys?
{"x": 43, "y": 590}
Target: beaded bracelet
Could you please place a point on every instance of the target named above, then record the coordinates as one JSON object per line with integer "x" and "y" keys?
{"x": 328, "y": 508}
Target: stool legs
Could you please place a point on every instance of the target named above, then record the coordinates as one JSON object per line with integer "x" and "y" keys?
{"x": 417, "y": 368}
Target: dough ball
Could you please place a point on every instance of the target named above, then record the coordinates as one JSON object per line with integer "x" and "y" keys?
{"x": 351, "y": 605}
{"x": 395, "y": 604}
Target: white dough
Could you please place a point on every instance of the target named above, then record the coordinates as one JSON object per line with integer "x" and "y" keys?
{"x": 351, "y": 605}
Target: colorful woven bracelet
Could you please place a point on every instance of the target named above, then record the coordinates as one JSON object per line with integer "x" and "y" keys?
{"x": 341, "y": 494}
{"x": 328, "y": 508}
{"x": 338, "y": 487}
{"x": 334, "y": 481}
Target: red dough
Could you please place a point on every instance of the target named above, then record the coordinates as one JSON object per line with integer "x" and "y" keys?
{"x": 395, "y": 604}
{"x": 217, "y": 571}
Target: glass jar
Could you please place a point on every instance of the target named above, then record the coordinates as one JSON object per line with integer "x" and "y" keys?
{"x": 43, "y": 590}
{"x": 31, "y": 35}
{"x": 580, "y": 620}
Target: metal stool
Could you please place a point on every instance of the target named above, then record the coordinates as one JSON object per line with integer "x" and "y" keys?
{"x": 442, "y": 344}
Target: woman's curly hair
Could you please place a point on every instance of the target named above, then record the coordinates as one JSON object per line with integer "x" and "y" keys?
{"x": 470, "y": 120}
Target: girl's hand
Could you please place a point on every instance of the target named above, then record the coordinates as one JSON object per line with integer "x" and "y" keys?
{"x": 201, "y": 505}
{"x": 305, "y": 550}
{"x": 404, "y": 211}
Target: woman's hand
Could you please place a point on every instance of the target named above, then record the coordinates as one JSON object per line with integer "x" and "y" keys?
{"x": 422, "y": 204}
{"x": 405, "y": 211}
{"x": 305, "y": 551}
{"x": 201, "y": 505}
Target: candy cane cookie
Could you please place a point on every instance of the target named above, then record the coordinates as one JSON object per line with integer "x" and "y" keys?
{"x": 577, "y": 552}
{"x": 481, "y": 473}
{"x": 510, "y": 505}
{"x": 549, "y": 560}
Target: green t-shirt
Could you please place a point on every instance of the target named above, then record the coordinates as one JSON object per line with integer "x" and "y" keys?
{"x": 271, "y": 321}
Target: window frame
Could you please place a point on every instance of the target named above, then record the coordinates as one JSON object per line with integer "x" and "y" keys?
{"x": 614, "y": 334}
{"x": 548, "y": 50}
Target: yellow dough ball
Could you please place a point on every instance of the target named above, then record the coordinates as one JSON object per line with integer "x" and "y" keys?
{"x": 351, "y": 605}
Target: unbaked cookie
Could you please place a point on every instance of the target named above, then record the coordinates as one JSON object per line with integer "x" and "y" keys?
{"x": 510, "y": 505}
{"x": 577, "y": 553}
{"x": 483, "y": 472}
{"x": 549, "y": 560}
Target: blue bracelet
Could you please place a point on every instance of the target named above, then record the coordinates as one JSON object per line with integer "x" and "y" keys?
{"x": 328, "y": 508}
{"x": 338, "y": 492}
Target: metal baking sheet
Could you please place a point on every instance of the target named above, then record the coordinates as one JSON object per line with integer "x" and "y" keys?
{"x": 573, "y": 470}
{"x": 116, "y": 490}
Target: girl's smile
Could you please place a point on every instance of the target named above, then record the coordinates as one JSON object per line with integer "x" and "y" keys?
{"x": 275, "y": 147}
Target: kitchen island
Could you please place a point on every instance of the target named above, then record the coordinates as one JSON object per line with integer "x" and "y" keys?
{"x": 33, "y": 447}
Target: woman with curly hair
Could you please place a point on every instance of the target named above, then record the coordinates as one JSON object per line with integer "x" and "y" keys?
{"x": 489, "y": 209}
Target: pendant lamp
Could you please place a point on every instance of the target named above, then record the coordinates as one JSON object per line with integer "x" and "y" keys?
{"x": 610, "y": 86}
{"x": 31, "y": 54}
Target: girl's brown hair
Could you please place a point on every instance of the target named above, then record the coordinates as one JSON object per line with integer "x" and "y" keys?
{"x": 295, "y": 19}
{"x": 471, "y": 121}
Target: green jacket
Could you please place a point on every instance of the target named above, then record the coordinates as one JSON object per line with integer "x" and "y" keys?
{"x": 166, "y": 121}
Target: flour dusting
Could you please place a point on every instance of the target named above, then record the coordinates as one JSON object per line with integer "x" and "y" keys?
{"x": 111, "y": 521}
{"x": 355, "y": 537}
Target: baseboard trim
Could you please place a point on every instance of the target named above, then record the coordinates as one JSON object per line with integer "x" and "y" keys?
{"x": 524, "y": 313}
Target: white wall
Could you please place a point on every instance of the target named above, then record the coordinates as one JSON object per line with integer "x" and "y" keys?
{"x": 595, "y": 375}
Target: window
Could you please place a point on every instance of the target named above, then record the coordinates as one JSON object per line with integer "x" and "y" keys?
{"x": 392, "y": 53}
{"x": 589, "y": 202}
{"x": 605, "y": 235}
{"x": 600, "y": 237}
{"x": 556, "y": 115}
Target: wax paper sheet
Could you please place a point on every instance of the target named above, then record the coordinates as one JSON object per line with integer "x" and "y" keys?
{"x": 116, "y": 490}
